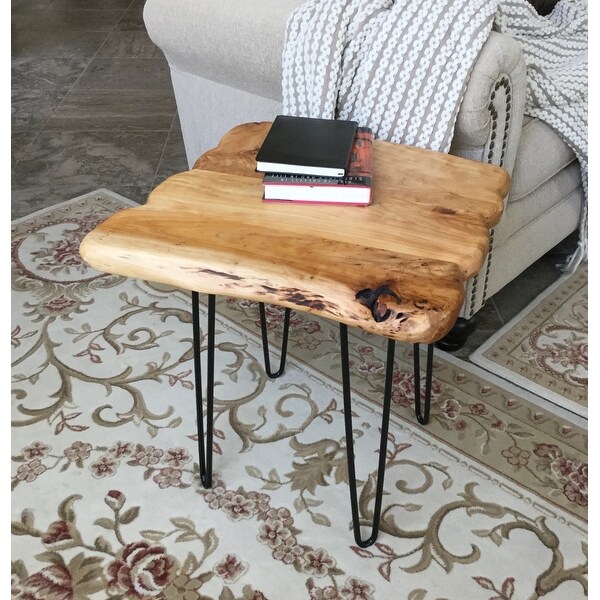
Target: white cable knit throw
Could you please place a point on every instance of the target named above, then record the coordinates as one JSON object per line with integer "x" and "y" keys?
{"x": 401, "y": 66}
{"x": 555, "y": 49}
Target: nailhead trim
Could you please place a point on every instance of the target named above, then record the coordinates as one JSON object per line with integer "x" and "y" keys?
{"x": 487, "y": 269}
{"x": 503, "y": 82}
{"x": 473, "y": 294}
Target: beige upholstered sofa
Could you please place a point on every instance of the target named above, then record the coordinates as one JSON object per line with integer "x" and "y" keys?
{"x": 225, "y": 60}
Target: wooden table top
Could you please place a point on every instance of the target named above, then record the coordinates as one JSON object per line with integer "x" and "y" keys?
{"x": 395, "y": 268}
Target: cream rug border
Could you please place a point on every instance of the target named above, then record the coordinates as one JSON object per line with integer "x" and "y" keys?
{"x": 516, "y": 389}
{"x": 42, "y": 211}
{"x": 546, "y": 398}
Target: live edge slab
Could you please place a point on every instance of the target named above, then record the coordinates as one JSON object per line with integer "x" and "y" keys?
{"x": 395, "y": 268}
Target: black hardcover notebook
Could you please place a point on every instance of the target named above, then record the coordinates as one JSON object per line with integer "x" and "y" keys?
{"x": 306, "y": 146}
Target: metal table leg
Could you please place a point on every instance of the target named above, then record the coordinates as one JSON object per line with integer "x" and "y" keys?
{"x": 423, "y": 417}
{"x": 204, "y": 448}
{"x": 387, "y": 395}
{"x": 350, "y": 441}
{"x": 265, "y": 340}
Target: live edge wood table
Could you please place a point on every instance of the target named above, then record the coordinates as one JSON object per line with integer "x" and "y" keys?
{"x": 395, "y": 268}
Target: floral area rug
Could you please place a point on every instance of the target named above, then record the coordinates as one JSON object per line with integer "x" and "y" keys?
{"x": 489, "y": 501}
{"x": 544, "y": 349}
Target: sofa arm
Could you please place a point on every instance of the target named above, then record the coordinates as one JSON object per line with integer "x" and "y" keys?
{"x": 237, "y": 44}
{"x": 489, "y": 122}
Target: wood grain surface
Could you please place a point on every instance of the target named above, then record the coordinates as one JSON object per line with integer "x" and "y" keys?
{"x": 406, "y": 173}
{"x": 395, "y": 268}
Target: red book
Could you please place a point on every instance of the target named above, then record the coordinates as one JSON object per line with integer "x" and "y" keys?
{"x": 354, "y": 188}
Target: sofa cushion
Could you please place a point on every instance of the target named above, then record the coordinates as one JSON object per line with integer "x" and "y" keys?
{"x": 542, "y": 153}
{"x": 532, "y": 241}
{"x": 538, "y": 202}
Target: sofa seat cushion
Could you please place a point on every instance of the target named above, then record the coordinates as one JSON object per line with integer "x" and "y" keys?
{"x": 542, "y": 153}
{"x": 235, "y": 43}
{"x": 531, "y": 207}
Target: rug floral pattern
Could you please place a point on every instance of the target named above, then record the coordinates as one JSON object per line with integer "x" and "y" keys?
{"x": 547, "y": 347}
{"x": 106, "y": 495}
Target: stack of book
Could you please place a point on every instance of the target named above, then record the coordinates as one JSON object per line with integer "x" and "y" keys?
{"x": 316, "y": 161}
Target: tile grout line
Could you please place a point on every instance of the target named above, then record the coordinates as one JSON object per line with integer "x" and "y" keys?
{"x": 89, "y": 63}
{"x": 64, "y": 92}
{"x": 498, "y": 312}
{"x": 70, "y": 89}
{"x": 163, "y": 150}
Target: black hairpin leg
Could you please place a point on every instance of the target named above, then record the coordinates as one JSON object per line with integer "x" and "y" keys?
{"x": 263, "y": 326}
{"x": 423, "y": 417}
{"x": 387, "y": 395}
{"x": 204, "y": 449}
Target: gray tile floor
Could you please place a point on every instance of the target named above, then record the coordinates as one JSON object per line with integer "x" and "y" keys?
{"x": 92, "y": 107}
{"x": 92, "y": 104}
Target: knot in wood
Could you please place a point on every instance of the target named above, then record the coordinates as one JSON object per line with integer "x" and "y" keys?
{"x": 377, "y": 301}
